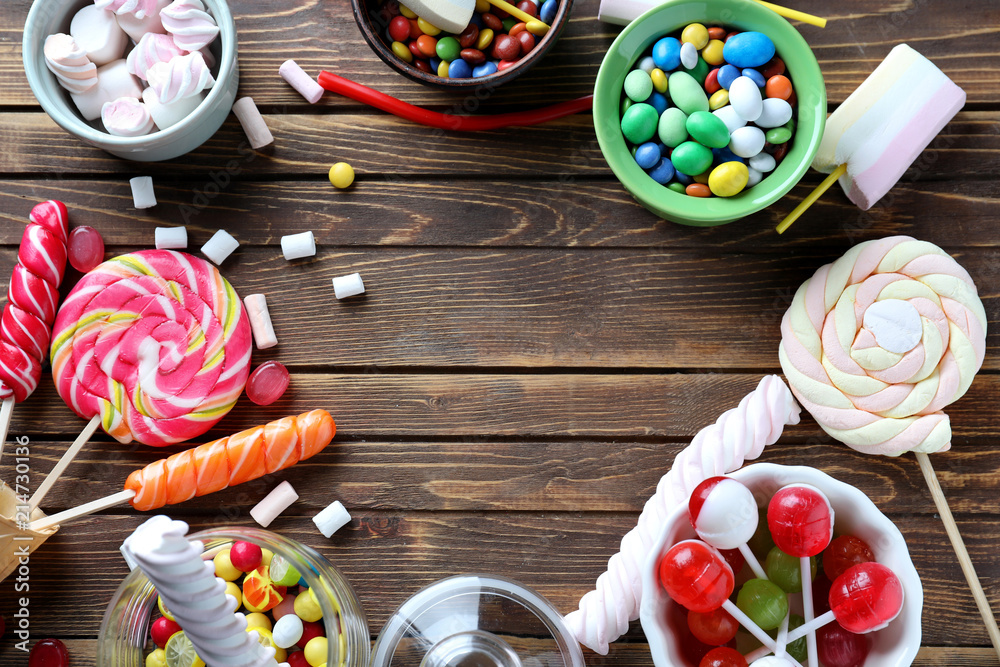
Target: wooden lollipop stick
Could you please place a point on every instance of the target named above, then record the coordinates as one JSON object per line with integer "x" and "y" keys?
{"x": 66, "y": 459}
{"x": 82, "y": 510}
{"x": 811, "y": 198}
{"x": 959, "y": 546}
{"x": 6, "y": 411}
{"x": 794, "y": 15}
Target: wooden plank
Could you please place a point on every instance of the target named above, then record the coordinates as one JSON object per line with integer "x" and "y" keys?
{"x": 378, "y": 144}
{"x": 323, "y": 35}
{"x": 564, "y": 212}
{"x": 387, "y": 556}
{"x": 475, "y": 473}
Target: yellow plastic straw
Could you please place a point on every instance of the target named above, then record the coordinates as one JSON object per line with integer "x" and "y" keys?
{"x": 517, "y": 13}
{"x": 811, "y": 199}
{"x": 790, "y": 14}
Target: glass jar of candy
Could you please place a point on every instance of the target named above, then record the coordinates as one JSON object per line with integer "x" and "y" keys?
{"x": 125, "y": 640}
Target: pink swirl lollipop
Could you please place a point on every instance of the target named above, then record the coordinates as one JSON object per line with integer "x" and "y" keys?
{"x": 156, "y": 343}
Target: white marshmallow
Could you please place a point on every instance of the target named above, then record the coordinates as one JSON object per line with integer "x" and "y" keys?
{"x": 97, "y": 32}
{"x": 346, "y": 286}
{"x": 260, "y": 321}
{"x": 332, "y": 519}
{"x": 168, "y": 115}
{"x": 297, "y": 246}
{"x": 175, "y": 238}
{"x": 113, "y": 82}
{"x": 253, "y": 123}
{"x": 143, "y": 195}
{"x": 136, "y": 28}
{"x": 296, "y": 77}
{"x": 276, "y": 502}
{"x": 220, "y": 246}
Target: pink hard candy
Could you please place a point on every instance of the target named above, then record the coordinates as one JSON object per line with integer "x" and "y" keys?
{"x": 267, "y": 383}
{"x": 86, "y": 249}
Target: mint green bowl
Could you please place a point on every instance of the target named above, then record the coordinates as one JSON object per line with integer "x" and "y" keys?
{"x": 669, "y": 18}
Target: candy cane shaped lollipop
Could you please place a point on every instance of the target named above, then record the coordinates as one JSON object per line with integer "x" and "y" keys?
{"x": 31, "y": 306}
{"x": 876, "y": 345}
{"x": 724, "y": 514}
{"x": 800, "y": 519}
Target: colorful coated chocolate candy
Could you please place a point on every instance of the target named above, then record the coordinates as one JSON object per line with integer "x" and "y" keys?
{"x": 718, "y": 107}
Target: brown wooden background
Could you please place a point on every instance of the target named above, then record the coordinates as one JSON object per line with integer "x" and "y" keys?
{"x": 534, "y": 347}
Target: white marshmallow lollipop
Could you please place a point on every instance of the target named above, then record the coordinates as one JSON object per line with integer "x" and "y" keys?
{"x": 195, "y": 596}
{"x": 180, "y": 77}
{"x": 97, "y": 32}
{"x": 127, "y": 117}
{"x": 64, "y": 58}
{"x": 168, "y": 115}
{"x": 136, "y": 27}
{"x": 150, "y": 50}
{"x": 113, "y": 82}
{"x": 191, "y": 26}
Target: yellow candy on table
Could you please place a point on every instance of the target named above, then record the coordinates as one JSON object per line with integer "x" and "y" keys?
{"x": 728, "y": 179}
{"x": 402, "y": 52}
{"x": 224, "y": 568}
{"x": 307, "y": 607}
{"x": 258, "y": 620}
{"x": 316, "y": 651}
{"x": 266, "y": 554}
{"x": 341, "y": 175}
{"x": 232, "y": 588}
{"x": 157, "y": 658}
{"x": 695, "y": 33}
{"x": 428, "y": 28}
{"x": 712, "y": 53}
{"x": 659, "y": 78}
{"x": 405, "y": 11}
{"x": 719, "y": 99}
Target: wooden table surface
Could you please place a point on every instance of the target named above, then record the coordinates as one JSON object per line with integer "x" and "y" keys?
{"x": 534, "y": 347}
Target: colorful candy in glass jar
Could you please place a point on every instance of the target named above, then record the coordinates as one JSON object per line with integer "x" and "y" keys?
{"x": 709, "y": 112}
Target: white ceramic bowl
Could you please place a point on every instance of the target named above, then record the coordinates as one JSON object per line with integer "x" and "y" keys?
{"x": 48, "y": 17}
{"x": 855, "y": 514}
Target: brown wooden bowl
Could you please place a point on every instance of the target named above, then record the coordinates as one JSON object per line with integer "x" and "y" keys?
{"x": 373, "y": 28}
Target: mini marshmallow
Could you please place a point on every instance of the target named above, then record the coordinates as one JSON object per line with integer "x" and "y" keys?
{"x": 253, "y": 123}
{"x": 191, "y": 26}
{"x": 127, "y": 117}
{"x": 69, "y": 62}
{"x": 332, "y": 519}
{"x": 168, "y": 115}
{"x": 260, "y": 321}
{"x": 274, "y": 504}
{"x": 220, "y": 246}
{"x": 296, "y": 77}
{"x": 171, "y": 238}
{"x": 113, "y": 82}
{"x": 97, "y": 32}
{"x": 297, "y": 246}
{"x": 346, "y": 286}
{"x": 135, "y": 27}
{"x": 143, "y": 195}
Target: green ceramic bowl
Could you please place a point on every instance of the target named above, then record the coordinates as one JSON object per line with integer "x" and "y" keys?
{"x": 670, "y": 18}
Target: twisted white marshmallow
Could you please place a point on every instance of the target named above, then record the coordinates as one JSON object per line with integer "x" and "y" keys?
{"x": 64, "y": 58}
{"x": 191, "y": 26}
{"x": 739, "y": 434}
{"x": 150, "y": 50}
{"x": 181, "y": 77}
{"x": 127, "y": 117}
{"x": 138, "y": 8}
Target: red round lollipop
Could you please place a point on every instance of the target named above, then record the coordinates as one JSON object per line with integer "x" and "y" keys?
{"x": 714, "y": 628}
{"x": 696, "y": 576}
{"x": 800, "y": 518}
{"x": 840, "y": 648}
{"x": 843, "y": 552}
{"x": 866, "y": 597}
{"x": 723, "y": 657}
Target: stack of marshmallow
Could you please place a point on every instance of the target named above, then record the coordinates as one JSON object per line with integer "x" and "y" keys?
{"x": 164, "y": 76}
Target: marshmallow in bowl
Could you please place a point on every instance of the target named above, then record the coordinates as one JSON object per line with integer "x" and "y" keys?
{"x": 150, "y": 50}
{"x": 64, "y": 58}
{"x": 136, "y": 27}
{"x": 127, "y": 117}
{"x": 97, "y": 32}
{"x": 181, "y": 77}
{"x": 167, "y": 115}
{"x": 113, "y": 82}
{"x": 138, "y": 8}
{"x": 191, "y": 26}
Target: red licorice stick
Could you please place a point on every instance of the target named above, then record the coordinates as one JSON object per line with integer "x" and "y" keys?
{"x": 444, "y": 121}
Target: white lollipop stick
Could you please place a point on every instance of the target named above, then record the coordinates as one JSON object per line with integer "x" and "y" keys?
{"x": 782, "y": 642}
{"x": 755, "y": 629}
{"x": 805, "y": 565}
{"x": 752, "y": 561}
{"x": 810, "y": 627}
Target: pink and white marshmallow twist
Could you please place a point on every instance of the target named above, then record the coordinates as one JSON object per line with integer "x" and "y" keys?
{"x": 180, "y": 78}
{"x": 739, "y": 434}
{"x": 138, "y": 8}
{"x": 150, "y": 50}
{"x": 877, "y": 343}
{"x": 190, "y": 25}
{"x": 64, "y": 58}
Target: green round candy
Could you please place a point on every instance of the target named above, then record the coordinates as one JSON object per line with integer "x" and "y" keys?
{"x": 798, "y": 648}
{"x": 509, "y": 23}
{"x": 707, "y": 129}
{"x": 673, "y": 127}
{"x": 778, "y": 135}
{"x": 761, "y": 543}
{"x": 691, "y": 158}
{"x": 677, "y": 187}
{"x": 763, "y": 602}
{"x": 448, "y": 48}
{"x": 626, "y": 103}
{"x": 687, "y": 93}
{"x": 790, "y": 125}
{"x": 638, "y": 85}
{"x": 699, "y": 71}
{"x": 785, "y": 571}
{"x": 639, "y": 123}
